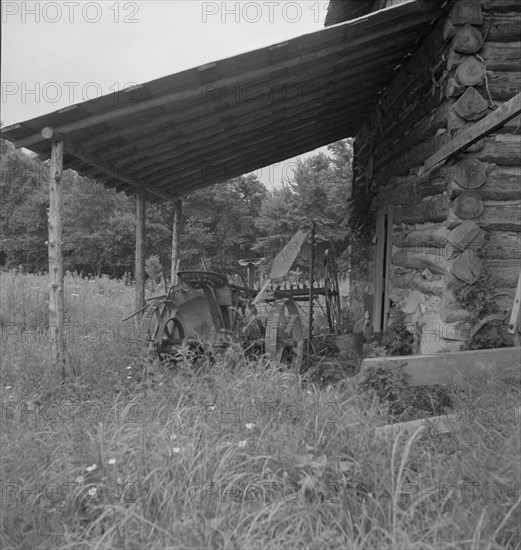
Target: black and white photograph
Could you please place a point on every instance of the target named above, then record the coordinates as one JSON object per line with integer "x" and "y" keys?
{"x": 260, "y": 275}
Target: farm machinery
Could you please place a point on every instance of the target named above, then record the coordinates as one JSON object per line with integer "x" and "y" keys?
{"x": 208, "y": 311}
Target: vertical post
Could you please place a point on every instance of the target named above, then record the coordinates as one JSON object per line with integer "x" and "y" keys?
{"x": 176, "y": 238}
{"x": 311, "y": 282}
{"x": 56, "y": 305}
{"x": 140, "y": 250}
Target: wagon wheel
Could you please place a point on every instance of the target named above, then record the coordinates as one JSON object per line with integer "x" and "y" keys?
{"x": 163, "y": 328}
{"x": 283, "y": 335}
{"x": 332, "y": 294}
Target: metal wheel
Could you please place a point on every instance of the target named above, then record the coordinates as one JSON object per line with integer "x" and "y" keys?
{"x": 332, "y": 294}
{"x": 163, "y": 328}
{"x": 283, "y": 337}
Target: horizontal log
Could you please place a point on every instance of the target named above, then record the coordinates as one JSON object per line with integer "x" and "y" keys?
{"x": 418, "y": 67}
{"x": 410, "y": 93}
{"x": 456, "y": 123}
{"x": 498, "y": 28}
{"x": 411, "y": 161}
{"x": 498, "y": 245}
{"x": 423, "y": 258}
{"x": 463, "y": 367}
{"x": 502, "y": 245}
{"x": 502, "y": 85}
{"x": 485, "y": 127}
{"x": 428, "y": 235}
{"x": 501, "y": 149}
{"x": 405, "y": 137}
{"x": 500, "y": 6}
{"x": 496, "y": 56}
{"x": 496, "y": 216}
{"x": 503, "y": 183}
{"x": 430, "y": 209}
{"x": 408, "y": 190}
{"x": 412, "y": 104}
{"x": 505, "y": 273}
{"x": 501, "y": 56}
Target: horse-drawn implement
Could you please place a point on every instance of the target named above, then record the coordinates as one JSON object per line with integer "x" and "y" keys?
{"x": 206, "y": 309}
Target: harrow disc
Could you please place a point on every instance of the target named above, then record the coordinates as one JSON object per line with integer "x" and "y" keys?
{"x": 283, "y": 339}
{"x": 332, "y": 295}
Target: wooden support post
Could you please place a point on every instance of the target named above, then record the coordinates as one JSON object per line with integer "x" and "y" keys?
{"x": 176, "y": 239}
{"x": 139, "y": 275}
{"x": 311, "y": 304}
{"x": 56, "y": 306}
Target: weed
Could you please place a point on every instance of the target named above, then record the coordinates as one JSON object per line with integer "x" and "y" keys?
{"x": 234, "y": 453}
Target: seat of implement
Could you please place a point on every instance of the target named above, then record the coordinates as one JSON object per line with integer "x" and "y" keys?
{"x": 200, "y": 279}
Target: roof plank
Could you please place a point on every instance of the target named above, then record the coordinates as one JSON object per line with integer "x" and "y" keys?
{"x": 309, "y": 91}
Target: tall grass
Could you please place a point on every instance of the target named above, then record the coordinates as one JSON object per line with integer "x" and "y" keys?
{"x": 240, "y": 454}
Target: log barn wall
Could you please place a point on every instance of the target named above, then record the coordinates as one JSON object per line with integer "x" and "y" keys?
{"x": 460, "y": 224}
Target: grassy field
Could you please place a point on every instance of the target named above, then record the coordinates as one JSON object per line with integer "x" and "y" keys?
{"x": 239, "y": 455}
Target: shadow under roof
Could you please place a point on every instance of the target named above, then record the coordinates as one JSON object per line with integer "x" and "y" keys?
{"x": 189, "y": 130}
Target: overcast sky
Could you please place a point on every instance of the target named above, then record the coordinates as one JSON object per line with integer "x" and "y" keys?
{"x": 59, "y": 53}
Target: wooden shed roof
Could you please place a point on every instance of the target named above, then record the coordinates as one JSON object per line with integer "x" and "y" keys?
{"x": 207, "y": 124}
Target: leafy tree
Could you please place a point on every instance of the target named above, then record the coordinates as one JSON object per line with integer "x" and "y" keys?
{"x": 219, "y": 224}
{"x": 318, "y": 192}
{"x": 223, "y": 223}
{"x": 279, "y": 218}
{"x": 23, "y": 209}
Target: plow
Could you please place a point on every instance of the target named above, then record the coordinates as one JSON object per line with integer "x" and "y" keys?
{"x": 207, "y": 312}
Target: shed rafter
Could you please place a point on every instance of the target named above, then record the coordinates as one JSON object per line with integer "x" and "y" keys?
{"x": 187, "y": 131}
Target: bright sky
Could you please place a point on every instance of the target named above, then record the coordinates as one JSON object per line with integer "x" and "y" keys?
{"x": 59, "y": 53}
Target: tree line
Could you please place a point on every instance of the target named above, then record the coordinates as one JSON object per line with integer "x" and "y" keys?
{"x": 237, "y": 219}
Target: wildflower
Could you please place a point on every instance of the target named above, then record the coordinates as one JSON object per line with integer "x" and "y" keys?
{"x": 309, "y": 392}
{"x": 250, "y": 426}
{"x": 176, "y": 450}
{"x": 8, "y": 387}
{"x": 79, "y": 479}
{"x": 129, "y": 368}
{"x": 92, "y": 491}
{"x": 119, "y": 481}
{"x": 242, "y": 443}
{"x": 211, "y": 408}
{"x": 129, "y": 377}
{"x": 173, "y": 437}
{"x": 91, "y": 468}
{"x": 112, "y": 461}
